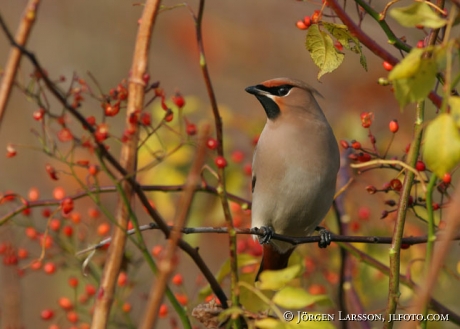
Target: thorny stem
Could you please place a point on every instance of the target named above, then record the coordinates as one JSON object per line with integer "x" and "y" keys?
{"x": 395, "y": 250}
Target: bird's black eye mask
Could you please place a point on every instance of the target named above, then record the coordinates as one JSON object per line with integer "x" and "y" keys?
{"x": 282, "y": 90}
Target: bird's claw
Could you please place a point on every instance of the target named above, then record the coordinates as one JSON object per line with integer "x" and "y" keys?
{"x": 325, "y": 237}
{"x": 267, "y": 234}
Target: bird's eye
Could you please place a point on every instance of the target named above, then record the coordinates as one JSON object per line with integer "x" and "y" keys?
{"x": 283, "y": 90}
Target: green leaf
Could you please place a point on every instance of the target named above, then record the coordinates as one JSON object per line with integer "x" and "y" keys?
{"x": 418, "y": 13}
{"x": 322, "y": 50}
{"x": 274, "y": 280}
{"x": 414, "y": 77}
{"x": 442, "y": 144}
{"x": 296, "y": 298}
{"x": 349, "y": 41}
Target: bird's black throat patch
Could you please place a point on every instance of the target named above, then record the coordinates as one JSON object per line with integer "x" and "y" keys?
{"x": 271, "y": 108}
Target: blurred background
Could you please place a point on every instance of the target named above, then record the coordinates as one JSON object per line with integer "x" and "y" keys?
{"x": 246, "y": 42}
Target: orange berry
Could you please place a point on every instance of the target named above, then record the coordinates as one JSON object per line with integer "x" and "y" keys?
{"x": 177, "y": 279}
{"x": 126, "y": 307}
{"x": 58, "y": 193}
{"x": 122, "y": 279}
{"x": 163, "y": 312}
{"x": 65, "y": 303}
{"x": 393, "y": 126}
{"x": 49, "y": 268}
{"x": 103, "y": 229}
{"x": 387, "y": 66}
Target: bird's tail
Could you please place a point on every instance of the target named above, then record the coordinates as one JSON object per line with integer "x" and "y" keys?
{"x": 272, "y": 259}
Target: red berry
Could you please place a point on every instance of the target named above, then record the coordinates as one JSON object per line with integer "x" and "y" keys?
{"x": 73, "y": 282}
{"x": 355, "y": 226}
{"x": 103, "y": 229}
{"x": 65, "y": 303}
{"x": 67, "y": 205}
{"x": 191, "y": 129}
{"x": 446, "y": 178}
{"x": 47, "y": 314}
{"x": 177, "y": 279}
{"x": 371, "y": 189}
{"x": 394, "y": 126}
{"x": 366, "y": 119}
{"x": 405, "y": 246}
{"x": 72, "y": 316}
{"x": 49, "y": 268}
{"x": 178, "y": 100}
{"x": 122, "y": 279}
{"x": 356, "y": 145}
{"x": 91, "y": 120}
{"x": 420, "y": 166}
{"x": 163, "y": 312}
{"x": 420, "y": 44}
{"x": 364, "y": 213}
{"x": 301, "y": 25}
{"x": 344, "y": 144}
{"x": 51, "y": 172}
{"x": 220, "y": 162}
{"x": 102, "y": 132}
{"x": 436, "y": 206}
{"x": 55, "y": 224}
{"x": 338, "y": 45}
{"x": 146, "y": 119}
{"x": 65, "y": 135}
{"x": 111, "y": 110}
{"x": 169, "y": 116}
{"x": 237, "y": 156}
{"x": 307, "y": 21}
{"x": 315, "y": 18}
{"x": 38, "y": 114}
{"x": 90, "y": 289}
{"x": 212, "y": 143}
{"x": 247, "y": 169}
{"x": 10, "y": 151}
{"x": 387, "y": 66}
{"x": 22, "y": 253}
{"x": 67, "y": 230}
{"x": 396, "y": 184}
{"x": 364, "y": 157}
{"x": 93, "y": 170}
{"x": 126, "y": 308}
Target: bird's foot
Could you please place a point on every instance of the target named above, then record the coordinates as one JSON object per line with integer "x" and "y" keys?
{"x": 325, "y": 237}
{"x": 267, "y": 234}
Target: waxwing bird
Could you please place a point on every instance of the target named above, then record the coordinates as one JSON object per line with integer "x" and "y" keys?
{"x": 294, "y": 167}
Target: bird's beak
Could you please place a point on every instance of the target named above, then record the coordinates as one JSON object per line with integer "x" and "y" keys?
{"x": 253, "y": 90}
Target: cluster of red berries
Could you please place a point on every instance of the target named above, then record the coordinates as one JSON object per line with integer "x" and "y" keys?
{"x": 305, "y": 23}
